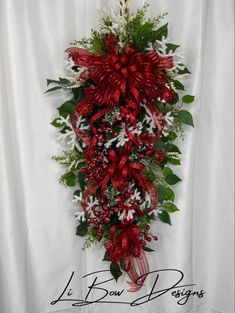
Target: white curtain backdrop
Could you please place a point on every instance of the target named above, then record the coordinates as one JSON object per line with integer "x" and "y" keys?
{"x": 38, "y": 246}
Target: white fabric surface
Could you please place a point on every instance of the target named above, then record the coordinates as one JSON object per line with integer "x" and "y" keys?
{"x": 38, "y": 246}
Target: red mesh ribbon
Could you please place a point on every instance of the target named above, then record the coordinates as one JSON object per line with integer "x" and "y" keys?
{"x": 125, "y": 245}
{"x": 125, "y": 80}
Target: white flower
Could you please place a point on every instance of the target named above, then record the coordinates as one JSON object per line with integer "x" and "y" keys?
{"x": 123, "y": 137}
{"x": 68, "y": 137}
{"x": 128, "y": 215}
{"x": 80, "y": 216}
{"x": 149, "y": 120}
{"x": 169, "y": 122}
{"x": 80, "y": 124}
{"x": 134, "y": 197}
{"x": 146, "y": 204}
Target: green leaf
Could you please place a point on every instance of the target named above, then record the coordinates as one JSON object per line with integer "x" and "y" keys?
{"x": 184, "y": 71}
{"x": 185, "y": 117}
{"x": 77, "y": 193}
{"x": 51, "y": 81}
{"x": 61, "y": 81}
{"x": 70, "y": 179}
{"x": 167, "y": 171}
{"x": 115, "y": 270}
{"x": 178, "y": 85}
{"x": 148, "y": 249}
{"x": 188, "y": 99}
{"x": 172, "y": 136}
{"x": 171, "y": 47}
{"x": 165, "y": 217}
{"x": 161, "y": 193}
{"x": 57, "y": 123}
{"x": 172, "y": 179}
{"x": 81, "y": 180}
{"x": 170, "y": 207}
{"x": 170, "y": 195}
{"x": 175, "y": 100}
{"x": 67, "y": 108}
{"x": 161, "y": 106}
{"x": 53, "y": 89}
{"x": 173, "y": 161}
{"x": 161, "y": 32}
{"x": 172, "y": 148}
{"x": 82, "y": 229}
{"x": 159, "y": 145}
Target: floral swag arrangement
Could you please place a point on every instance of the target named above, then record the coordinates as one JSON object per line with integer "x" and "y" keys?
{"x": 119, "y": 128}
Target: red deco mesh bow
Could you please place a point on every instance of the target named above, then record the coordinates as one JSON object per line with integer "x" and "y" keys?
{"x": 124, "y": 80}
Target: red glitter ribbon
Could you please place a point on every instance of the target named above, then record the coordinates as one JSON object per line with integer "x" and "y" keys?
{"x": 125, "y": 80}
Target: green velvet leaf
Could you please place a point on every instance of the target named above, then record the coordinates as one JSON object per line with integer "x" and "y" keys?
{"x": 165, "y": 217}
{"x": 185, "y": 117}
{"x": 172, "y": 179}
{"x": 82, "y": 229}
{"x": 188, "y": 99}
{"x": 167, "y": 171}
{"x": 172, "y": 136}
{"x": 70, "y": 179}
{"x": 161, "y": 193}
{"x": 171, "y": 47}
{"x": 170, "y": 195}
{"x": 170, "y": 207}
{"x": 115, "y": 270}
{"x": 178, "y": 85}
{"x": 173, "y": 161}
{"x": 147, "y": 249}
{"x": 57, "y": 123}
{"x": 67, "y": 108}
{"x": 53, "y": 89}
{"x": 172, "y": 148}
{"x": 184, "y": 71}
{"x": 162, "y": 32}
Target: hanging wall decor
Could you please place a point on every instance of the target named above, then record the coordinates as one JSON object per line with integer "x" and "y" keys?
{"x": 118, "y": 131}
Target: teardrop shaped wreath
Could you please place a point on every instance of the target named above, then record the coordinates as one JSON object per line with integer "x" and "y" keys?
{"x": 119, "y": 127}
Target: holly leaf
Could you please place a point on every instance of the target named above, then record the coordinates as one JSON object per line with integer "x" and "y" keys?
{"x": 115, "y": 270}
{"x": 170, "y": 207}
{"x": 165, "y": 217}
{"x": 172, "y": 179}
{"x": 178, "y": 85}
{"x": 188, "y": 99}
{"x": 185, "y": 117}
{"x": 82, "y": 229}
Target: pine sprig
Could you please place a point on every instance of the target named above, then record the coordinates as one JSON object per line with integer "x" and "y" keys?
{"x": 73, "y": 159}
